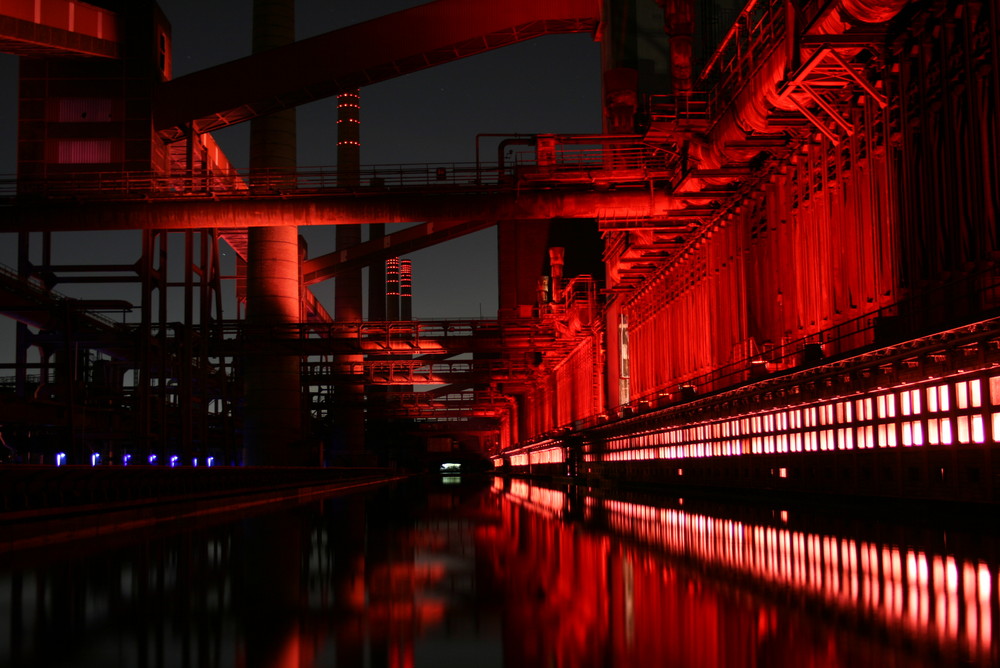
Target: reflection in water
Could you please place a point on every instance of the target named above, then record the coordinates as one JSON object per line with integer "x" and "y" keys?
{"x": 459, "y": 574}
{"x": 701, "y": 590}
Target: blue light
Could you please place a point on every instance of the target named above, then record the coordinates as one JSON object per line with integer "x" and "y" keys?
{"x": 152, "y": 459}
{"x": 125, "y": 459}
{"x": 210, "y": 461}
{"x": 95, "y": 459}
{"x": 60, "y": 458}
{"x": 173, "y": 460}
{"x": 194, "y": 462}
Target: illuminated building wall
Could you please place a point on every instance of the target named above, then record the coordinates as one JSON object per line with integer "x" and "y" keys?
{"x": 813, "y": 248}
{"x": 83, "y": 116}
{"x": 924, "y": 426}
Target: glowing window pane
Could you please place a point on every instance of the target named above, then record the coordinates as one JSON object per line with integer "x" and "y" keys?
{"x": 996, "y": 426}
{"x": 904, "y": 403}
{"x": 995, "y": 390}
{"x": 961, "y": 395}
{"x": 915, "y": 401}
{"x": 933, "y": 437}
{"x": 962, "y": 424}
{"x": 932, "y": 403}
{"x": 881, "y": 406}
{"x": 945, "y": 431}
{"x": 943, "y": 401}
{"x": 918, "y": 433}
{"x": 907, "y": 434}
{"x": 978, "y": 433}
{"x": 975, "y": 393}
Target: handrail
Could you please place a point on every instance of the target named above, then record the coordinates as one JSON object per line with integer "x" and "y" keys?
{"x": 605, "y": 162}
{"x": 39, "y": 290}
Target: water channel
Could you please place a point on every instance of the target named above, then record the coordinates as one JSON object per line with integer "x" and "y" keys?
{"x": 482, "y": 572}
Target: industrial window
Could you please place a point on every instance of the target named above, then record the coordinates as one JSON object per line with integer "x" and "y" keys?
{"x": 962, "y": 424}
{"x": 887, "y": 435}
{"x": 826, "y": 414}
{"x": 886, "y": 405}
{"x": 946, "y": 431}
{"x": 978, "y": 429}
{"x": 995, "y": 390}
{"x": 913, "y": 433}
{"x": 85, "y": 110}
{"x": 962, "y": 395}
{"x": 85, "y": 151}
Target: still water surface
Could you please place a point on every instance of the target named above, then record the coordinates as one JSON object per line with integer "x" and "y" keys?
{"x": 483, "y": 573}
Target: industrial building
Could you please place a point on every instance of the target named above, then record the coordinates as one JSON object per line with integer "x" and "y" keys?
{"x": 773, "y": 269}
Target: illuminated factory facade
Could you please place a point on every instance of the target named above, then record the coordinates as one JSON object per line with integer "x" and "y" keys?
{"x": 775, "y": 268}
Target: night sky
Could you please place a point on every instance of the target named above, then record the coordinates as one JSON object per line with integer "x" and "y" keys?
{"x": 551, "y": 84}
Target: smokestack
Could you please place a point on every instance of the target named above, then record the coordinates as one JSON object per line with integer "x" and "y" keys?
{"x": 406, "y": 290}
{"x": 392, "y": 288}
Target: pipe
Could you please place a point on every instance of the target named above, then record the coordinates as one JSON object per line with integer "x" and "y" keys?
{"x": 759, "y": 95}
{"x": 183, "y": 213}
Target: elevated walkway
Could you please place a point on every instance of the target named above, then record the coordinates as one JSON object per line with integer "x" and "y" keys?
{"x": 47, "y": 28}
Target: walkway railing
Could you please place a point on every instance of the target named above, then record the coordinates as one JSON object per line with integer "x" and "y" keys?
{"x": 565, "y": 164}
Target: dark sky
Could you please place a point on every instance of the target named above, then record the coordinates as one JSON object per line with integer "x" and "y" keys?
{"x": 550, "y": 84}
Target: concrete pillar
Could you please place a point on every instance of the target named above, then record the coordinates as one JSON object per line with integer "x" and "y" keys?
{"x": 273, "y": 389}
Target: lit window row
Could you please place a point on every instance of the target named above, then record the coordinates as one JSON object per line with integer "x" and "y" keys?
{"x": 936, "y": 413}
{"x": 930, "y": 595}
{"x": 547, "y": 456}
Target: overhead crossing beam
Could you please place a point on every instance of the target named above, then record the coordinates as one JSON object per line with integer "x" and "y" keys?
{"x": 544, "y": 204}
{"x": 47, "y": 28}
{"x": 342, "y": 60}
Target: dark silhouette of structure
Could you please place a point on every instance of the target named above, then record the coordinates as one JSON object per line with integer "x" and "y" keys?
{"x": 776, "y": 268}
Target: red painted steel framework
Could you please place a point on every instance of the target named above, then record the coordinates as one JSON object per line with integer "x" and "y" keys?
{"x": 820, "y": 188}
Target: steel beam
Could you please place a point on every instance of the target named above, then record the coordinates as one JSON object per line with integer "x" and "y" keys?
{"x": 336, "y": 62}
